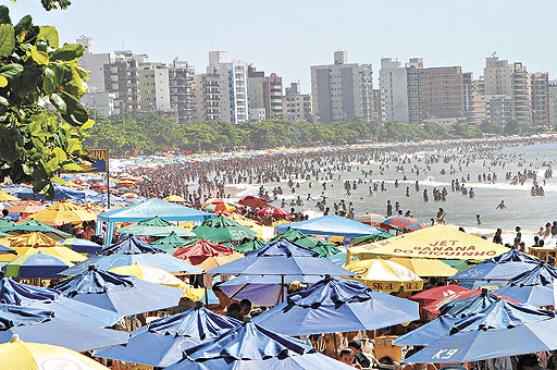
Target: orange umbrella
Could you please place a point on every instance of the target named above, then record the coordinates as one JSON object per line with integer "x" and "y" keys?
{"x": 34, "y": 240}
{"x": 26, "y": 207}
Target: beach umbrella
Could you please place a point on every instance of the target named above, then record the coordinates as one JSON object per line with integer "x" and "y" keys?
{"x": 26, "y": 207}
{"x": 35, "y": 263}
{"x": 216, "y": 261}
{"x": 158, "y": 276}
{"x": 171, "y": 242}
{"x": 162, "y": 342}
{"x": 175, "y": 199}
{"x": 498, "y": 314}
{"x": 385, "y": 275}
{"x": 23, "y": 295}
{"x": 63, "y": 253}
{"x": 249, "y": 246}
{"x": 437, "y": 293}
{"x": 424, "y": 267}
{"x": 155, "y": 227}
{"x": 253, "y": 201}
{"x": 251, "y": 346}
{"x": 33, "y": 226}
{"x": 402, "y": 223}
{"x": 221, "y": 229}
{"x": 538, "y": 336}
{"x": 366, "y": 239}
{"x": 60, "y": 213}
{"x": 7, "y": 250}
{"x": 162, "y": 261}
{"x": 124, "y": 295}
{"x": 42, "y": 326}
{"x": 262, "y": 290}
{"x": 129, "y": 244}
{"x": 337, "y": 306}
{"x": 282, "y": 258}
{"x": 32, "y": 240}
{"x": 34, "y": 356}
{"x": 331, "y": 225}
{"x": 277, "y": 213}
{"x": 218, "y": 206}
{"x": 200, "y": 251}
{"x": 503, "y": 267}
{"x": 434, "y": 307}
{"x": 325, "y": 249}
{"x": 533, "y": 287}
{"x": 82, "y": 246}
{"x": 6, "y": 224}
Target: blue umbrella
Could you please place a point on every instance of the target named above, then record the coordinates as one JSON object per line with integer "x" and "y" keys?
{"x": 498, "y": 315}
{"x": 36, "y": 265}
{"x": 262, "y": 290}
{"x": 480, "y": 345}
{"x": 503, "y": 267}
{"x": 250, "y": 346}
{"x": 83, "y": 246}
{"x": 162, "y": 342}
{"x": 130, "y": 244}
{"x": 6, "y": 250}
{"x": 41, "y": 326}
{"x": 281, "y": 258}
{"x": 124, "y": 295}
{"x": 337, "y": 306}
{"x": 164, "y": 262}
{"x": 30, "y": 296}
{"x": 533, "y": 287}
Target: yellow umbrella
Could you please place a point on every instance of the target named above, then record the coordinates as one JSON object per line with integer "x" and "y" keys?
{"x": 62, "y": 252}
{"x": 440, "y": 241}
{"x": 216, "y": 261}
{"x": 61, "y": 213}
{"x": 424, "y": 267}
{"x": 5, "y": 197}
{"x": 19, "y": 355}
{"x": 158, "y": 276}
{"x": 385, "y": 275}
{"x": 262, "y": 232}
{"x": 175, "y": 199}
{"x": 35, "y": 239}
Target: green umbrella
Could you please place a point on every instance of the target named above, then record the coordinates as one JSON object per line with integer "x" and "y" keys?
{"x": 222, "y": 230}
{"x": 170, "y": 242}
{"x": 32, "y": 226}
{"x": 5, "y": 224}
{"x": 460, "y": 265}
{"x": 371, "y": 238}
{"x": 155, "y": 226}
{"x": 249, "y": 246}
{"x": 325, "y": 249}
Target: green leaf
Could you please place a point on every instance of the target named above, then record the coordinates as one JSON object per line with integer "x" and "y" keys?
{"x": 76, "y": 114}
{"x": 11, "y": 70}
{"x": 39, "y": 57}
{"x": 68, "y": 52}
{"x": 24, "y": 25}
{"x": 87, "y": 125}
{"x": 59, "y": 154}
{"x": 7, "y": 40}
{"x": 49, "y": 81}
{"x": 4, "y": 102}
{"x": 74, "y": 146}
{"x": 5, "y": 15}
{"x": 59, "y": 103}
{"x": 50, "y": 35}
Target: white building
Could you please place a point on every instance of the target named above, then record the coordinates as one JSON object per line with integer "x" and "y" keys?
{"x": 553, "y": 103}
{"x": 342, "y": 91}
{"x": 394, "y": 91}
{"x": 154, "y": 87}
{"x": 497, "y": 76}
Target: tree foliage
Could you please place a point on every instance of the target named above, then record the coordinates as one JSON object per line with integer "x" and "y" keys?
{"x": 42, "y": 121}
{"x": 150, "y": 134}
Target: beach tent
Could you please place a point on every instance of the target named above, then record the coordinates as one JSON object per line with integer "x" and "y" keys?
{"x": 439, "y": 241}
{"x": 146, "y": 210}
{"x": 330, "y": 225}
{"x": 337, "y": 306}
{"x": 162, "y": 342}
{"x": 250, "y": 346}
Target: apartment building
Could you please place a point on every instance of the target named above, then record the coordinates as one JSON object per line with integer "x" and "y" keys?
{"x": 521, "y": 95}
{"x": 296, "y": 106}
{"x": 154, "y": 87}
{"x": 552, "y": 92}
{"x": 539, "y": 84}
{"x": 442, "y": 92}
{"x": 121, "y": 79}
{"x": 498, "y": 110}
{"x": 497, "y": 76}
{"x": 393, "y": 83}
{"x": 181, "y": 75}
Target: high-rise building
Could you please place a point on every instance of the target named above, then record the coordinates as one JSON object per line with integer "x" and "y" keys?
{"x": 520, "y": 84}
{"x": 498, "y": 110}
{"x": 154, "y": 87}
{"x": 477, "y": 114}
{"x": 393, "y": 84}
{"x": 121, "y": 79}
{"x": 273, "y": 97}
{"x": 180, "y": 75}
{"x": 467, "y": 87}
{"x": 497, "y": 76}
{"x": 234, "y": 79}
{"x": 377, "y": 106}
{"x": 539, "y": 83}
{"x": 415, "y": 89}
{"x": 211, "y": 98}
{"x": 442, "y": 92}
{"x": 295, "y": 105}
{"x": 342, "y": 91}
{"x": 553, "y": 103}
{"x": 256, "y": 94}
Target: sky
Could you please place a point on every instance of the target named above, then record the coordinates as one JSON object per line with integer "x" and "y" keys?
{"x": 288, "y": 36}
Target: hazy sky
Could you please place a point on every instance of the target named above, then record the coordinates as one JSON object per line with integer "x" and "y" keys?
{"x": 288, "y": 36}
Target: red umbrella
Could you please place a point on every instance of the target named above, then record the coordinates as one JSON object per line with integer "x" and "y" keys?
{"x": 274, "y": 212}
{"x": 402, "y": 223}
{"x": 253, "y": 202}
{"x": 433, "y": 307}
{"x": 200, "y": 251}
{"x": 438, "y": 293}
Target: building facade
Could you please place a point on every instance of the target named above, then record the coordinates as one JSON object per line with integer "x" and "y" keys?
{"x": 256, "y": 94}
{"x": 181, "y": 75}
{"x": 342, "y": 91}
{"x": 154, "y": 87}
{"x": 442, "y": 92}
{"x": 477, "y": 114}
{"x": 273, "y": 95}
{"x": 552, "y": 90}
{"x": 498, "y": 110}
{"x": 121, "y": 79}
{"x": 296, "y": 107}
{"x": 497, "y": 76}
{"x": 520, "y": 83}
{"x": 539, "y": 83}
{"x": 415, "y": 89}
{"x": 393, "y": 84}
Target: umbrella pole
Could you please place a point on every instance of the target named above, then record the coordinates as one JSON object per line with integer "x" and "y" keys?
{"x": 335, "y": 344}
{"x": 281, "y": 288}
